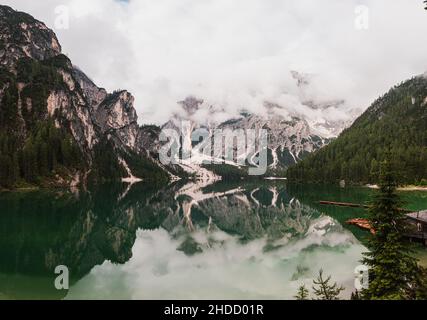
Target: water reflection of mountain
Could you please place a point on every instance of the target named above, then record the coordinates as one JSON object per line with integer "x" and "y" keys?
{"x": 42, "y": 230}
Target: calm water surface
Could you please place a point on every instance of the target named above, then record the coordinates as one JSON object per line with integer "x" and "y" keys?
{"x": 184, "y": 241}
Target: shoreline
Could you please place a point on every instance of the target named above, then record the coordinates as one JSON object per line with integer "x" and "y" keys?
{"x": 404, "y": 188}
{"x": 20, "y": 190}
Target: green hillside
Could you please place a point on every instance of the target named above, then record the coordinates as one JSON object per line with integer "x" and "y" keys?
{"x": 395, "y": 123}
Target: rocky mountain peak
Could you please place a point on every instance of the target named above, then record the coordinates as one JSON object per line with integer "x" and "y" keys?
{"x": 23, "y": 36}
{"x": 92, "y": 93}
{"x": 302, "y": 79}
{"x": 118, "y": 110}
{"x": 191, "y": 104}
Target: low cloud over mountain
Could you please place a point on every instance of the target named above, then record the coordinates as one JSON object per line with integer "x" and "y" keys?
{"x": 239, "y": 54}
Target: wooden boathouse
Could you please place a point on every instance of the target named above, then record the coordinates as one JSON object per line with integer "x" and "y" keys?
{"x": 418, "y": 226}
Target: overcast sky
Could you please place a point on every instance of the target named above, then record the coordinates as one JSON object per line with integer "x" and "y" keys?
{"x": 235, "y": 54}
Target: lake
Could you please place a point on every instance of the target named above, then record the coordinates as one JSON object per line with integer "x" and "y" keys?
{"x": 188, "y": 240}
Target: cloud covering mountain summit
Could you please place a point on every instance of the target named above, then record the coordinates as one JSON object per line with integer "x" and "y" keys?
{"x": 239, "y": 54}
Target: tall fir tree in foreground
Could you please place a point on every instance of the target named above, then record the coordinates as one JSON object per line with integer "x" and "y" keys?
{"x": 394, "y": 273}
{"x": 324, "y": 290}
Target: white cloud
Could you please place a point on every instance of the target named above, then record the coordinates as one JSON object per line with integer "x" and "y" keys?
{"x": 239, "y": 53}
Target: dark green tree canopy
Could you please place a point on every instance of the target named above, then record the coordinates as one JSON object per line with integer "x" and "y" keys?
{"x": 395, "y": 124}
{"x": 394, "y": 272}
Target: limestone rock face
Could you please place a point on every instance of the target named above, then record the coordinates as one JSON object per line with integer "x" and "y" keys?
{"x": 116, "y": 115}
{"x": 68, "y": 96}
{"x": 23, "y": 36}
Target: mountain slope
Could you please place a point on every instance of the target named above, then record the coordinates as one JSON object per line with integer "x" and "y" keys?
{"x": 289, "y": 141}
{"x": 290, "y": 138}
{"x": 55, "y": 124}
{"x": 396, "y": 123}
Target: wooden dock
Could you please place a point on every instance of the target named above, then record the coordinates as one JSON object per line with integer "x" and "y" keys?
{"x": 344, "y": 204}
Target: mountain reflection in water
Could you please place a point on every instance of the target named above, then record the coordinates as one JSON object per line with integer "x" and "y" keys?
{"x": 186, "y": 240}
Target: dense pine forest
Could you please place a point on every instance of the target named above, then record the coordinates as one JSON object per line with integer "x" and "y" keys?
{"x": 47, "y": 150}
{"x": 31, "y": 146}
{"x": 396, "y": 123}
{"x": 34, "y": 150}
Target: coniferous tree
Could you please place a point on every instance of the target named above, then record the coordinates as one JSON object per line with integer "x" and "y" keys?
{"x": 6, "y": 171}
{"x": 324, "y": 290}
{"x": 393, "y": 271}
{"x": 393, "y": 124}
{"x": 302, "y": 293}
{"x": 30, "y": 162}
{"x": 15, "y": 168}
{"x": 355, "y": 295}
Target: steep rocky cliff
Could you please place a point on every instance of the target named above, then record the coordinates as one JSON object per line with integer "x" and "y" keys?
{"x": 55, "y": 118}
{"x": 290, "y": 139}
